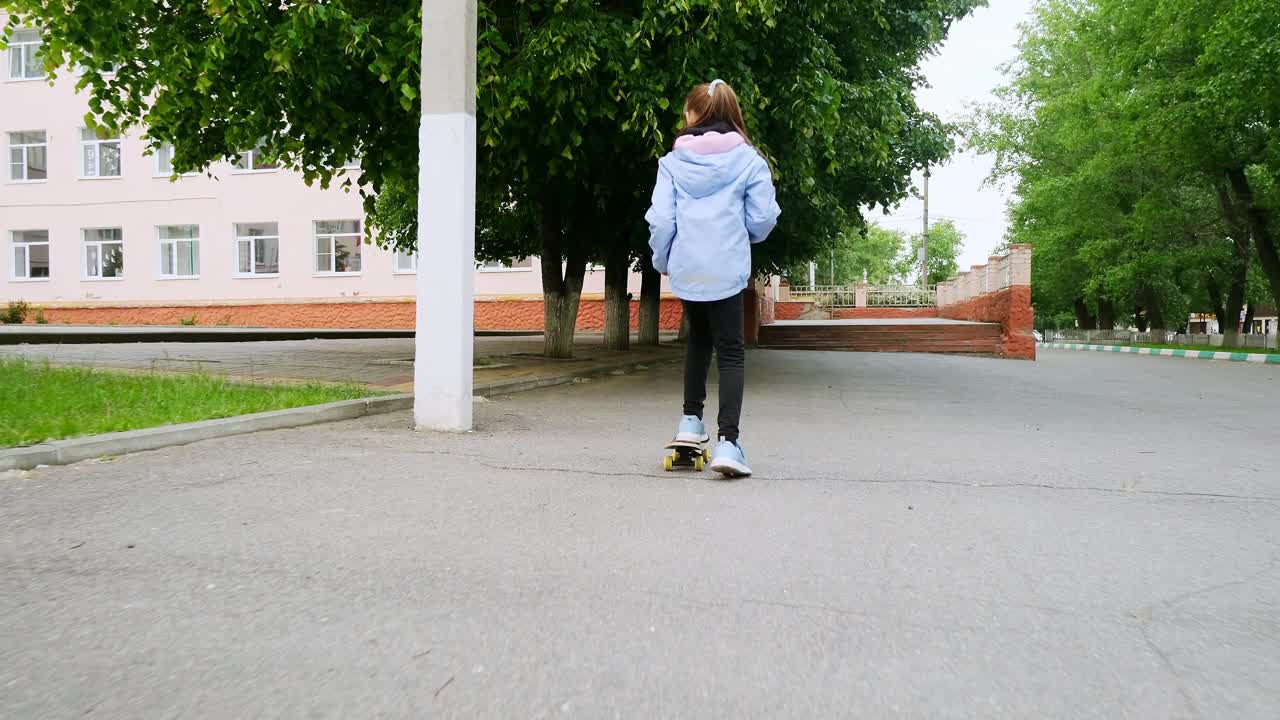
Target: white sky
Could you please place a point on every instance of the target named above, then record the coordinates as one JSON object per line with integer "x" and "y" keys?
{"x": 964, "y": 71}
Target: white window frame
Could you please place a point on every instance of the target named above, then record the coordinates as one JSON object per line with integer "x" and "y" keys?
{"x": 155, "y": 168}
{"x": 170, "y": 246}
{"x": 249, "y": 158}
{"x": 26, "y": 163}
{"x": 17, "y": 49}
{"x": 14, "y": 245}
{"x": 98, "y": 143}
{"x": 81, "y": 70}
{"x": 333, "y": 256}
{"x": 484, "y": 267}
{"x": 395, "y": 263}
{"x": 85, "y": 244}
{"x": 252, "y": 240}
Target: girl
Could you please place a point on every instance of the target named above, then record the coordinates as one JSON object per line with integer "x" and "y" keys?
{"x": 714, "y": 197}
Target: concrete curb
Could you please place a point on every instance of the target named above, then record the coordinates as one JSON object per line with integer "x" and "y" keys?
{"x": 1263, "y": 358}
{"x": 65, "y": 452}
{"x": 95, "y": 335}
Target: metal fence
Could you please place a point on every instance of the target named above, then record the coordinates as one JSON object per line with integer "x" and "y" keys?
{"x": 902, "y": 296}
{"x": 846, "y": 296}
{"x": 813, "y": 292}
{"x": 1164, "y": 337}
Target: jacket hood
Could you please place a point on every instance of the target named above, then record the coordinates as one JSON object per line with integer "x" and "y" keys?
{"x": 702, "y": 165}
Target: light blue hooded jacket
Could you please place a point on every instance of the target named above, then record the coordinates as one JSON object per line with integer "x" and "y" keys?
{"x": 714, "y": 197}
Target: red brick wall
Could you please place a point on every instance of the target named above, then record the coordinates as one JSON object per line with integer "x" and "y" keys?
{"x": 758, "y": 309}
{"x": 790, "y": 310}
{"x": 318, "y": 315}
{"x": 1011, "y": 308}
{"x": 489, "y": 315}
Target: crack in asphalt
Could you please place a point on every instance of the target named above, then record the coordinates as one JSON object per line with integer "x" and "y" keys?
{"x": 903, "y": 481}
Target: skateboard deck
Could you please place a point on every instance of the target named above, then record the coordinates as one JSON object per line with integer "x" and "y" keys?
{"x": 685, "y": 455}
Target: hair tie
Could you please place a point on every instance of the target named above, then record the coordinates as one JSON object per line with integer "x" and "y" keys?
{"x": 711, "y": 89}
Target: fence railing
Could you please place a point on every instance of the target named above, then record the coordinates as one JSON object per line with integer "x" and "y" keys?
{"x": 850, "y": 296}
{"x": 1162, "y": 337}
{"x": 901, "y": 296}
{"x": 809, "y": 292}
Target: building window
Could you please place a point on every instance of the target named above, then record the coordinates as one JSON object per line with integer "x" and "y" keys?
{"x": 257, "y": 249}
{"x": 30, "y": 254}
{"x": 253, "y": 161}
{"x": 179, "y": 251}
{"x": 100, "y": 152}
{"x": 103, "y": 253}
{"x": 508, "y": 265}
{"x": 108, "y": 68}
{"x": 406, "y": 263}
{"x": 24, "y": 55}
{"x": 164, "y": 162}
{"x": 338, "y": 246}
{"x": 28, "y": 156}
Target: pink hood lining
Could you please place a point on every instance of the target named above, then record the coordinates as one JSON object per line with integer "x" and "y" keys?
{"x": 711, "y": 143}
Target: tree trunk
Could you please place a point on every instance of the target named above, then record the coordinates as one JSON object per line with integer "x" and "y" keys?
{"x": 1248, "y": 321}
{"x": 560, "y": 318}
{"x": 1228, "y": 309}
{"x": 1215, "y": 297}
{"x": 561, "y": 285}
{"x": 1259, "y": 223}
{"x": 650, "y": 301}
{"x": 1106, "y": 314}
{"x": 1084, "y": 319}
{"x": 617, "y": 302}
{"x": 1155, "y": 313}
{"x": 1270, "y": 257}
{"x": 1234, "y": 304}
{"x": 1140, "y": 318}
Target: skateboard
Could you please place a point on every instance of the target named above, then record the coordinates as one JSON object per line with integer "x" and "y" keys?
{"x": 685, "y": 455}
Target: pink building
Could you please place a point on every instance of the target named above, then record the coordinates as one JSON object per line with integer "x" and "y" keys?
{"x": 96, "y": 231}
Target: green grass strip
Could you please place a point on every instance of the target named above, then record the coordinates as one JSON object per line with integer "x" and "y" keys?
{"x": 39, "y": 402}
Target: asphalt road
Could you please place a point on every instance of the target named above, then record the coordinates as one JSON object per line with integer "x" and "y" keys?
{"x": 1090, "y": 535}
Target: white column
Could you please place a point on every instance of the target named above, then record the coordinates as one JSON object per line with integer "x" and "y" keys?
{"x": 442, "y": 382}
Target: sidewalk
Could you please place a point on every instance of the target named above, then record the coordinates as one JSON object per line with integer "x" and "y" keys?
{"x": 382, "y": 363}
{"x": 926, "y": 537}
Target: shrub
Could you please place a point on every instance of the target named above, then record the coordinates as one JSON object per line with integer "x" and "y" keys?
{"x": 15, "y": 313}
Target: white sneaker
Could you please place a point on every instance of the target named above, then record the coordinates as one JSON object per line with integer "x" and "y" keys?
{"x": 729, "y": 460}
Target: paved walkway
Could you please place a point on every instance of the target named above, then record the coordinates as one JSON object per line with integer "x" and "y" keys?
{"x": 928, "y": 537}
{"x": 381, "y": 363}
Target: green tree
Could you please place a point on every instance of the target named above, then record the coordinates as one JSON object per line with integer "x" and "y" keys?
{"x": 946, "y": 242}
{"x": 1141, "y": 139}
{"x": 576, "y": 100}
{"x": 871, "y": 253}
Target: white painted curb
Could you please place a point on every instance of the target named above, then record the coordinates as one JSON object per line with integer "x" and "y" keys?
{"x": 1263, "y": 358}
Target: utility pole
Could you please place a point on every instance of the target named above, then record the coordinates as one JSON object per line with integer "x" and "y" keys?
{"x": 924, "y": 245}
{"x": 443, "y": 344}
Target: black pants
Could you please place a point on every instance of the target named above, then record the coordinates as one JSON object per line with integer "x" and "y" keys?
{"x": 716, "y": 326}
